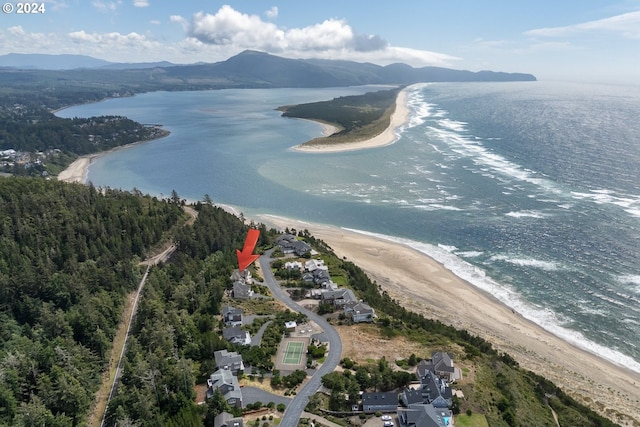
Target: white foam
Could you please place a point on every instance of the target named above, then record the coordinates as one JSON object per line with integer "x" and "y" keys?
{"x": 543, "y": 317}
{"x": 632, "y": 279}
{"x": 526, "y": 214}
{"x": 469, "y": 254}
{"x": 630, "y": 203}
{"x": 528, "y": 262}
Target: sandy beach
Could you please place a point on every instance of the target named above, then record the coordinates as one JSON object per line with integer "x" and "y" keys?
{"x": 77, "y": 171}
{"x": 387, "y": 137}
{"x": 424, "y": 286}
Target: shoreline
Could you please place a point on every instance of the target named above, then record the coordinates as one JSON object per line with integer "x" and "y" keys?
{"x": 78, "y": 170}
{"x": 425, "y": 286}
{"x": 387, "y": 137}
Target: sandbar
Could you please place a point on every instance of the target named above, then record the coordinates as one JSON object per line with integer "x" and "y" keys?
{"x": 387, "y": 137}
{"x": 423, "y": 285}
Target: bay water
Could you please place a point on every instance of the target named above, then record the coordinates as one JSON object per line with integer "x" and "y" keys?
{"x": 529, "y": 191}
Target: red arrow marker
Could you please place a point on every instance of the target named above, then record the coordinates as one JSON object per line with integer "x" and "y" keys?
{"x": 246, "y": 257}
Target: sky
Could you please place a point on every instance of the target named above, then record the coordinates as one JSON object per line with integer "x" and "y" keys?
{"x": 583, "y": 40}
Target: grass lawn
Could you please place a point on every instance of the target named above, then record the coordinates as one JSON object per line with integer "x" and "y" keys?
{"x": 475, "y": 420}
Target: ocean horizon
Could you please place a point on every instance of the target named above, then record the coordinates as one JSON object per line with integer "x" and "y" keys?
{"x": 528, "y": 191}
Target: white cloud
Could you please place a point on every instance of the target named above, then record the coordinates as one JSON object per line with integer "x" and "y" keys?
{"x": 626, "y": 24}
{"x": 106, "y": 6}
{"x": 216, "y": 37}
{"x": 140, "y": 3}
{"x": 272, "y": 13}
{"x": 332, "y": 38}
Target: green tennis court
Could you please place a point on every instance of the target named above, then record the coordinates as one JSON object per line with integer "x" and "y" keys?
{"x": 293, "y": 353}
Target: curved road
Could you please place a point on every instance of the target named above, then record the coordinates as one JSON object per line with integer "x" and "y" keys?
{"x": 294, "y": 411}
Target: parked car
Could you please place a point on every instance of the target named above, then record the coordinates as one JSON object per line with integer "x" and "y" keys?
{"x": 388, "y": 424}
{"x": 386, "y": 418}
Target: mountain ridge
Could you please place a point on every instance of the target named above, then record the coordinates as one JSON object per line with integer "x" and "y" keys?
{"x": 260, "y": 69}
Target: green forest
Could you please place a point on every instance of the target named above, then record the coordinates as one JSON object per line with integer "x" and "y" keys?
{"x": 70, "y": 256}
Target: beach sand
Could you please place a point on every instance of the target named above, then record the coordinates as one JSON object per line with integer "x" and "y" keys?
{"x": 424, "y": 286}
{"x": 387, "y": 137}
{"x": 77, "y": 171}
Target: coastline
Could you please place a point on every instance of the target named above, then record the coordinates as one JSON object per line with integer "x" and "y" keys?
{"x": 423, "y": 285}
{"x": 387, "y": 137}
{"x": 78, "y": 170}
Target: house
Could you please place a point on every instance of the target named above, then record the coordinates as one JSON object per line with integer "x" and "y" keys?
{"x": 379, "y": 401}
{"x": 227, "y": 384}
{"x": 229, "y": 360}
{"x": 235, "y": 335}
{"x": 440, "y": 364}
{"x": 339, "y": 297}
{"x": 289, "y": 244}
{"x": 242, "y": 291}
{"x": 315, "y": 264}
{"x": 410, "y": 396}
{"x": 359, "y": 312}
{"x": 424, "y": 415}
{"x": 293, "y": 265}
{"x": 225, "y": 419}
{"x": 232, "y": 316}
{"x": 243, "y": 276}
{"x": 432, "y": 390}
{"x": 436, "y": 391}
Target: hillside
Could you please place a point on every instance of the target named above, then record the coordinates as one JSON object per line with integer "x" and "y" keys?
{"x": 249, "y": 69}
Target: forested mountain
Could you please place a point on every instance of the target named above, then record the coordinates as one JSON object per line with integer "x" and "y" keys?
{"x": 68, "y": 256}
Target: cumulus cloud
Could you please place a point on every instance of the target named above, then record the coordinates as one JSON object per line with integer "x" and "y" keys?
{"x": 626, "y": 24}
{"x": 140, "y": 3}
{"x": 331, "y": 38}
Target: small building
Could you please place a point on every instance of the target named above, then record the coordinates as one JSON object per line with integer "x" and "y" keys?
{"x": 225, "y": 419}
{"x": 293, "y": 265}
{"x": 235, "y": 335}
{"x": 383, "y": 402}
{"x": 232, "y": 316}
{"x": 227, "y": 384}
{"x": 315, "y": 264}
{"x": 229, "y": 360}
{"x": 290, "y": 326}
{"x": 359, "y": 311}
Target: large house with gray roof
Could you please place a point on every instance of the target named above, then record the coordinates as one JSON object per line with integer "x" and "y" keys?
{"x": 424, "y": 415}
{"x": 227, "y": 384}
{"x": 229, "y": 360}
{"x": 289, "y": 244}
{"x": 359, "y": 311}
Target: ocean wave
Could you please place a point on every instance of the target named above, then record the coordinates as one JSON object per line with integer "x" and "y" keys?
{"x": 628, "y": 202}
{"x": 631, "y": 279}
{"x": 528, "y": 262}
{"x": 547, "y": 319}
{"x": 526, "y": 214}
{"x": 469, "y": 254}
{"x": 481, "y": 156}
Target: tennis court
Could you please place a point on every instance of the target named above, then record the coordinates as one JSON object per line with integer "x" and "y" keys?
{"x": 293, "y": 353}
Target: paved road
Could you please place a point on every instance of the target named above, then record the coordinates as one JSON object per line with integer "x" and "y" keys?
{"x": 297, "y": 405}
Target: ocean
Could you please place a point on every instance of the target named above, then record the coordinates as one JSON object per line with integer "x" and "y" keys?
{"x": 529, "y": 191}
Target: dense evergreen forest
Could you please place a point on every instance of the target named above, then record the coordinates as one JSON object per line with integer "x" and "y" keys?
{"x": 68, "y": 256}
